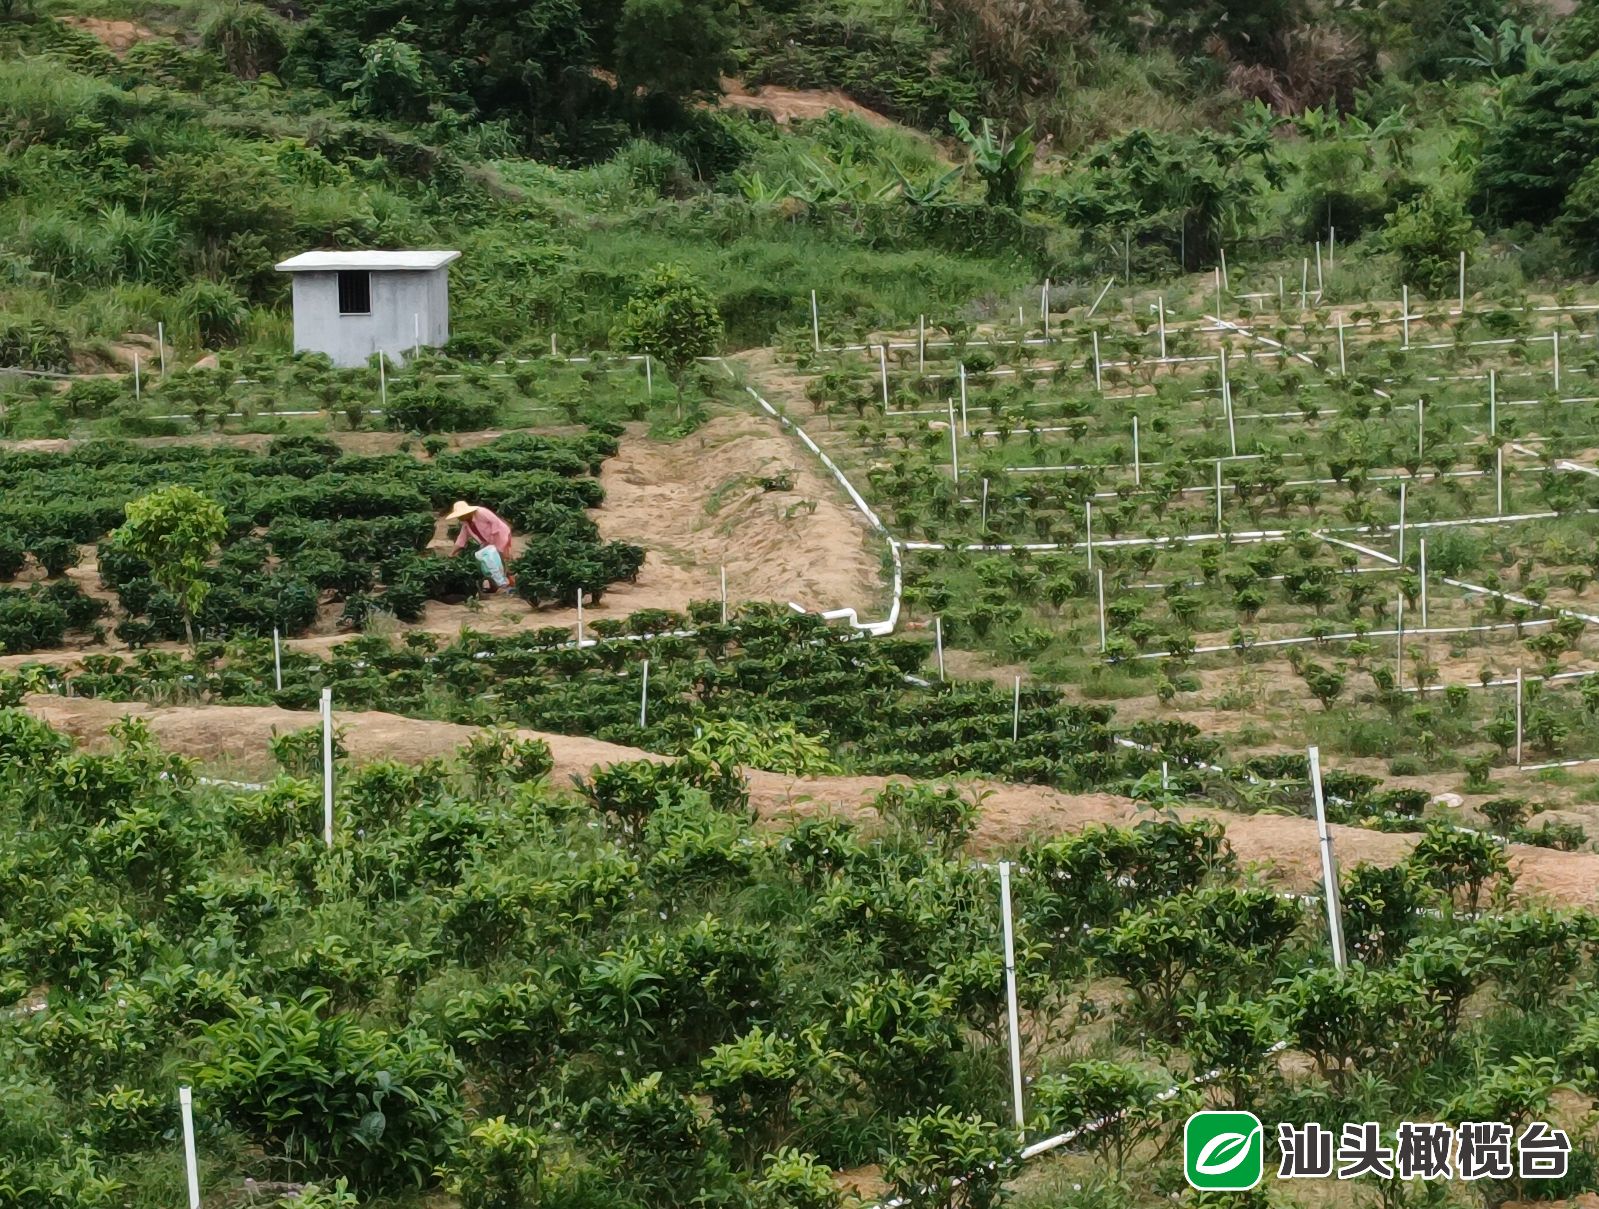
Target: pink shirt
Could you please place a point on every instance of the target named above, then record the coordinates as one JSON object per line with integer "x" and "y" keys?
{"x": 487, "y": 529}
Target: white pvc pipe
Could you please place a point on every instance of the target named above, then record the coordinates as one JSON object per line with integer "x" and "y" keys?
{"x": 882, "y": 362}
{"x": 649, "y": 376}
{"x": 1404, "y": 318}
{"x": 1402, "y": 493}
{"x": 1016, "y": 711}
{"x": 1088, "y": 526}
{"x": 1519, "y": 689}
{"x": 327, "y": 766}
{"x": 1101, "y": 571}
{"x": 954, "y": 446}
{"x": 1422, "y": 545}
{"x": 138, "y": 389}
{"x": 580, "y": 617}
{"x": 277, "y": 660}
{"x": 1108, "y": 283}
{"x": 191, "y": 1161}
{"x": 1343, "y": 366}
{"x": 1329, "y": 865}
{"x": 1161, "y": 304}
{"x": 1138, "y": 470}
{"x": 816, "y": 326}
{"x": 1556, "y": 340}
{"x": 1462, "y": 283}
{"x": 1010, "y": 995}
{"x": 965, "y": 431}
{"x": 1099, "y": 383}
{"x": 1218, "y": 496}
{"x": 938, "y": 643}
{"x": 161, "y": 345}
{"x": 921, "y": 344}
{"x": 644, "y": 698}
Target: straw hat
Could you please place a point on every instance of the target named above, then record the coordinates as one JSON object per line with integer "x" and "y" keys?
{"x": 461, "y": 510}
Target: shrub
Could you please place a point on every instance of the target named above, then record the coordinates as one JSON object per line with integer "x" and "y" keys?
{"x": 56, "y": 554}
{"x": 948, "y": 1161}
{"x": 12, "y": 556}
{"x": 505, "y": 1166}
{"x": 1428, "y": 235}
{"x": 324, "y": 1091}
{"x": 249, "y": 38}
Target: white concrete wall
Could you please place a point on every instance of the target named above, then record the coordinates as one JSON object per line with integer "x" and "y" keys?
{"x": 400, "y": 301}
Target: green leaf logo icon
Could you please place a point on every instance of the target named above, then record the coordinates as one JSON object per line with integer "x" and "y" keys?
{"x": 1223, "y": 1151}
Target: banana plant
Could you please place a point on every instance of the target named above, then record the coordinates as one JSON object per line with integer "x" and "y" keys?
{"x": 1002, "y": 162}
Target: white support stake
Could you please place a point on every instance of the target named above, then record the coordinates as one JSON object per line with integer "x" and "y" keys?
{"x": 277, "y": 660}
{"x": 553, "y": 351}
{"x": 383, "y": 382}
{"x": 1519, "y": 687}
{"x": 1016, "y": 711}
{"x": 1102, "y": 643}
{"x": 1218, "y": 293}
{"x": 161, "y": 345}
{"x": 1399, "y": 640}
{"x": 1462, "y": 283}
{"x": 965, "y": 431}
{"x": 580, "y": 618}
{"x": 1225, "y": 284}
{"x": 1421, "y": 546}
{"x": 1165, "y": 776}
{"x": 816, "y": 326}
{"x": 1160, "y": 305}
{"x": 649, "y": 375}
{"x": 882, "y": 363}
{"x": 1343, "y": 365}
{"x": 724, "y": 595}
{"x": 985, "y": 506}
{"x": 1421, "y": 427}
{"x": 1227, "y": 402}
{"x": 1404, "y": 316}
{"x": 1088, "y": 525}
{"x": 1010, "y": 995}
{"x": 644, "y": 698}
{"x": 327, "y": 766}
{"x": 191, "y": 1162}
{"x": 1402, "y": 492}
{"x": 938, "y": 643}
{"x": 1109, "y": 282}
{"x": 1329, "y": 865}
{"x": 1556, "y": 339}
{"x": 1279, "y": 293}
{"x": 1138, "y": 470}
{"x": 1099, "y": 383}
{"x": 1499, "y": 481}
{"x": 1304, "y": 281}
{"x": 138, "y": 388}
{"x": 1046, "y": 308}
{"x": 1493, "y": 403}
{"x": 1218, "y": 497}
{"x": 921, "y": 344}
{"x": 1320, "y": 288}
{"x": 1332, "y": 244}
{"x": 954, "y": 446}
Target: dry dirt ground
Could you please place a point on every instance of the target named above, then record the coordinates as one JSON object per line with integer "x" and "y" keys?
{"x": 696, "y": 505}
{"x": 1283, "y": 849}
{"x": 117, "y": 36}
{"x": 787, "y": 104}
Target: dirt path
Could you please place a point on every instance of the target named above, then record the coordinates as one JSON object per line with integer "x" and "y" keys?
{"x": 788, "y": 104}
{"x": 235, "y": 738}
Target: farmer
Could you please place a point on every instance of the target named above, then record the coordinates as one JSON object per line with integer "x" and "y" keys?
{"x": 493, "y": 539}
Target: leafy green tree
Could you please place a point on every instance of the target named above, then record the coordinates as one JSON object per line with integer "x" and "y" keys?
{"x": 1428, "y": 235}
{"x": 1541, "y": 145}
{"x": 393, "y": 81}
{"x": 678, "y": 48}
{"x": 177, "y": 531}
{"x": 672, "y": 318}
{"x": 248, "y": 37}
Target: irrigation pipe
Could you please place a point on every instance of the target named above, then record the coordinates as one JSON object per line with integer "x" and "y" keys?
{"x": 875, "y": 628}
